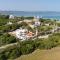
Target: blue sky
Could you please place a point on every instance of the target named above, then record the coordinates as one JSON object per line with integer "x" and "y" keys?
{"x": 30, "y": 5}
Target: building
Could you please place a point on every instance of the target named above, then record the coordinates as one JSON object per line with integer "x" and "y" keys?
{"x": 37, "y": 23}
{"x": 21, "y": 33}
{"x": 36, "y": 17}
{"x": 24, "y": 34}
{"x": 29, "y": 35}
{"x": 11, "y": 17}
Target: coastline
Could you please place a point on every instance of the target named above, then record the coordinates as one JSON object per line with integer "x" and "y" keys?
{"x": 44, "y": 14}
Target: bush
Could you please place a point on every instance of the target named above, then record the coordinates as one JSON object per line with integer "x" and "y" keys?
{"x": 7, "y": 28}
{"x": 29, "y": 46}
{"x": 6, "y": 39}
{"x": 26, "y": 47}
{"x": 11, "y": 54}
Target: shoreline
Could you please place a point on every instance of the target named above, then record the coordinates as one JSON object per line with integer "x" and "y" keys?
{"x": 44, "y": 14}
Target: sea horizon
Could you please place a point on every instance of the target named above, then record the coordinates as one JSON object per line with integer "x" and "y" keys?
{"x": 44, "y": 14}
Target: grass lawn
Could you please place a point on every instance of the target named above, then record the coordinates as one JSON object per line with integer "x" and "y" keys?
{"x": 53, "y": 54}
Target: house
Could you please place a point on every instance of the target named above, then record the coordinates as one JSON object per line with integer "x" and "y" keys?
{"x": 21, "y": 33}
{"x": 37, "y": 23}
{"x": 11, "y": 17}
{"x": 30, "y": 35}
{"x": 24, "y": 34}
{"x": 36, "y": 17}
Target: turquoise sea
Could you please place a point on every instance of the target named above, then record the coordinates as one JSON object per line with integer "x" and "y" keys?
{"x": 44, "y": 14}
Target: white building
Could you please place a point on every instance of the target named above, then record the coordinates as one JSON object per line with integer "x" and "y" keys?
{"x": 36, "y": 17}
{"x": 11, "y": 17}
{"x": 37, "y": 23}
{"x": 21, "y": 33}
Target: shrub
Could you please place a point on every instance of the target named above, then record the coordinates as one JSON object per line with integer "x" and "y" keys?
{"x": 6, "y": 39}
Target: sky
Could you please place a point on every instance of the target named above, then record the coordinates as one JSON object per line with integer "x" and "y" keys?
{"x": 30, "y": 5}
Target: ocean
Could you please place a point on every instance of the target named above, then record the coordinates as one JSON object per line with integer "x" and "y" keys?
{"x": 44, "y": 14}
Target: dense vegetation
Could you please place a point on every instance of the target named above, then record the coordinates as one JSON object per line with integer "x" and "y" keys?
{"x": 12, "y": 27}
{"x": 26, "y": 47}
{"x": 44, "y": 28}
{"x": 6, "y": 39}
{"x": 4, "y": 27}
{"x": 4, "y": 19}
{"x": 7, "y": 28}
{"x": 22, "y": 18}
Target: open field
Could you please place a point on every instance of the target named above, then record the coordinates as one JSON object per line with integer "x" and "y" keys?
{"x": 53, "y": 54}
